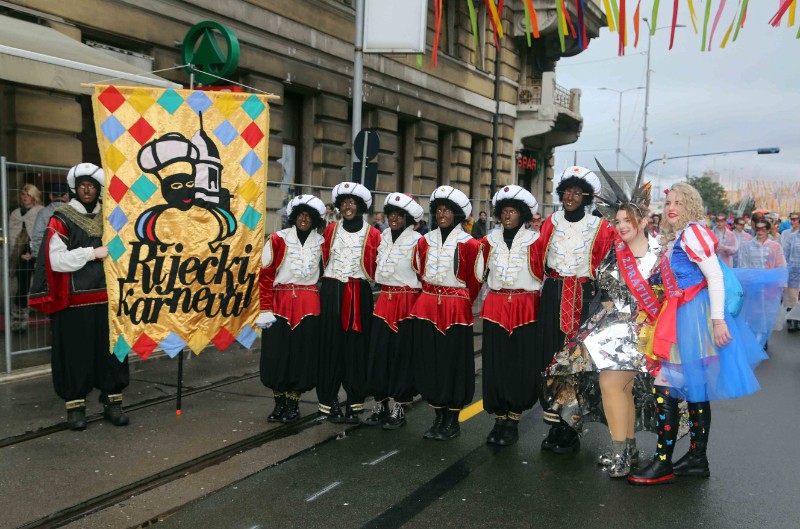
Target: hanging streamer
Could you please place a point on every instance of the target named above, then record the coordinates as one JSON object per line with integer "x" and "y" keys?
{"x": 792, "y": 9}
{"x": 615, "y": 10}
{"x": 582, "y": 26}
{"x": 562, "y": 24}
{"x": 569, "y": 20}
{"x": 610, "y": 16}
{"x": 654, "y": 17}
{"x": 636, "y": 24}
{"x": 578, "y": 16}
{"x": 742, "y": 16}
{"x": 693, "y": 15}
{"x": 473, "y": 18}
{"x": 527, "y": 23}
{"x": 706, "y": 18}
{"x": 494, "y": 18}
{"x": 716, "y": 21}
{"x": 730, "y": 28}
{"x": 776, "y": 20}
{"x": 623, "y": 30}
{"x": 674, "y": 23}
{"x": 534, "y": 18}
{"x": 437, "y": 17}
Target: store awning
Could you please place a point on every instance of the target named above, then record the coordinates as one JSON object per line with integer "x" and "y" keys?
{"x": 36, "y": 55}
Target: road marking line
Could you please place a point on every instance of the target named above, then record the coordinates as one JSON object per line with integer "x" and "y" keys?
{"x": 323, "y": 491}
{"x": 384, "y": 457}
{"x": 470, "y": 411}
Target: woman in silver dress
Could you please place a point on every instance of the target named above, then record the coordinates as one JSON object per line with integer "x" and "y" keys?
{"x": 613, "y": 338}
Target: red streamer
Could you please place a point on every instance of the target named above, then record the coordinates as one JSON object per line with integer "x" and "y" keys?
{"x": 674, "y": 24}
{"x": 776, "y": 20}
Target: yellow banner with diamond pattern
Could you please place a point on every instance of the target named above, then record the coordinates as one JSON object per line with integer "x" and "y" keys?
{"x": 183, "y": 210}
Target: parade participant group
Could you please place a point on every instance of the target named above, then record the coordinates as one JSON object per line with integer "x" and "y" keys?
{"x": 588, "y": 298}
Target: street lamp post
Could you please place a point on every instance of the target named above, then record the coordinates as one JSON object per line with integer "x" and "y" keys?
{"x": 619, "y": 113}
{"x": 688, "y": 147}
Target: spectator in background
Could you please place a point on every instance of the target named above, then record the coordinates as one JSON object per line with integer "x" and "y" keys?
{"x": 422, "y": 227}
{"x": 741, "y": 236}
{"x": 794, "y": 223}
{"x": 762, "y": 252}
{"x": 58, "y": 194}
{"x": 728, "y": 244}
{"x": 468, "y": 224}
{"x": 380, "y": 223}
{"x": 21, "y": 225}
{"x": 536, "y": 223}
{"x": 773, "y": 232}
{"x": 655, "y": 224}
{"x": 479, "y": 228}
{"x": 791, "y": 251}
{"x": 331, "y": 215}
{"x": 755, "y": 217}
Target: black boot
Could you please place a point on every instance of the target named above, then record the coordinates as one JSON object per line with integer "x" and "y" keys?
{"x": 567, "y": 439}
{"x": 379, "y": 413}
{"x": 552, "y": 419}
{"x": 450, "y": 427}
{"x": 335, "y": 414}
{"x": 695, "y": 463}
{"x": 292, "y": 410}
{"x": 351, "y": 413}
{"x": 396, "y": 419}
{"x": 510, "y": 433}
{"x": 497, "y": 431}
{"x": 112, "y": 410}
{"x": 76, "y": 415}
{"x": 660, "y": 468}
{"x": 280, "y": 407}
{"x": 433, "y": 431}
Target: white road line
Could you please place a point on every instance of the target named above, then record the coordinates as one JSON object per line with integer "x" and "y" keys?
{"x": 323, "y": 491}
{"x": 384, "y": 457}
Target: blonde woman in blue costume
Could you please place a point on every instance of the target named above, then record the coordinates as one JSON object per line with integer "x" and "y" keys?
{"x": 704, "y": 352}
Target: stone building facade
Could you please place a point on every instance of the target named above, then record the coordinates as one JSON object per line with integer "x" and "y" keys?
{"x": 435, "y": 124}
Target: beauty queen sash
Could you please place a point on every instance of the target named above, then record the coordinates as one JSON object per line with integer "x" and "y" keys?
{"x": 637, "y": 284}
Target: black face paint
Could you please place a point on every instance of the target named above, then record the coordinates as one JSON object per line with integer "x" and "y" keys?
{"x": 178, "y": 190}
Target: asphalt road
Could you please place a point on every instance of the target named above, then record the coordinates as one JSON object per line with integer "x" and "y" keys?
{"x": 370, "y": 478}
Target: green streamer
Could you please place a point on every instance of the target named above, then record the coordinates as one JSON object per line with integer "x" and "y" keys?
{"x": 705, "y": 24}
{"x": 615, "y": 9}
{"x": 473, "y": 18}
{"x": 654, "y": 18}
{"x": 562, "y": 25}
{"x": 527, "y": 22}
{"x": 739, "y": 23}
{"x": 419, "y": 60}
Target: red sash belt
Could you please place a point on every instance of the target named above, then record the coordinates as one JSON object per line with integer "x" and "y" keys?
{"x": 443, "y": 306}
{"x": 511, "y": 308}
{"x": 395, "y": 304}
{"x": 571, "y": 302}
{"x": 448, "y": 292}
{"x": 666, "y": 331}
{"x": 351, "y": 304}
{"x": 399, "y": 290}
{"x": 303, "y": 301}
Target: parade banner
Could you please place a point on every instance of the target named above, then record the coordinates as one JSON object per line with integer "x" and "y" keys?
{"x": 183, "y": 215}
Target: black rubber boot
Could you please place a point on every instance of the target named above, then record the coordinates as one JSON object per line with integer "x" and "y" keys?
{"x": 379, "y": 413}
{"x": 292, "y": 410}
{"x": 567, "y": 440}
{"x": 450, "y": 427}
{"x": 552, "y": 419}
{"x": 695, "y": 463}
{"x": 433, "y": 431}
{"x": 113, "y": 412}
{"x": 351, "y": 414}
{"x": 510, "y": 433}
{"x": 396, "y": 419}
{"x": 335, "y": 415}
{"x": 76, "y": 415}
{"x": 497, "y": 431}
{"x": 280, "y": 407}
{"x": 660, "y": 468}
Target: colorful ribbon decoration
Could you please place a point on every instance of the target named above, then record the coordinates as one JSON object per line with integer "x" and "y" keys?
{"x": 740, "y": 24}
{"x": 716, "y": 21}
{"x": 636, "y": 24}
{"x": 654, "y": 18}
{"x": 674, "y": 24}
{"x": 473, "y": 18}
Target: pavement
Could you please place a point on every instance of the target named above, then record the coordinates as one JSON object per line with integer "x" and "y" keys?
{"x": 376, "y": 478}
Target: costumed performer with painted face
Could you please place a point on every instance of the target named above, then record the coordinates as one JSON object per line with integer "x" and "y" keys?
{"x": 290, "y": 307}
{"x": 614, "y": 337}
{"x": 390, "y": 372}
{"x": 444, "y": 352}
{"x": 704, "y": 352}
{"x": 571, "y": 247}
{"x": 349, "y": 254}
{"x": 511, "y": 355}
{"x": 70, "y": 284}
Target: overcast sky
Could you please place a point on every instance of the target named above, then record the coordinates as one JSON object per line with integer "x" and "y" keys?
{"x": 744, "y": 96}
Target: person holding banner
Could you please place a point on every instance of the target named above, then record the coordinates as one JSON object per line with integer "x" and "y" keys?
{"x": 571, "y": 247}
{"x": 704, "y": 352}
{"x": 70, "y": 284}
{"x": 444, "y": 358}
{"x": 511, "y": 356}
{"x": 349, "y": 254}
{"x": 390, "y": 371}
{"x": 290, "y": 307}
{"x": 612, "y": 340}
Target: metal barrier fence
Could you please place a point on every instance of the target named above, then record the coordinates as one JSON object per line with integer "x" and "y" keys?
{"x": 26, "y": 331}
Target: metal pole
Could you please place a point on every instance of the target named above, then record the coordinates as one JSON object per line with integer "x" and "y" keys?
{"x": 688, "y": 154}
{"x": 761, "y": 150}
{"x": 619, "y": 126}
{"x": 6, "y": 272}
{"x": 646, "y": 92}
{"x": 495, "y": 121}
{"x": 358, "y": 73}
{"x": 178, "y": 410}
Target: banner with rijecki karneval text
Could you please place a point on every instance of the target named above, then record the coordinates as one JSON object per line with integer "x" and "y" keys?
{"x": 183, "y": 208}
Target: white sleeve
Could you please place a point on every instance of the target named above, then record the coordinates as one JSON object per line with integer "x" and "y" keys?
{"x": 266, "y": 253}
{"x": 63, "y": 260}
{"x": 716, "y": 287}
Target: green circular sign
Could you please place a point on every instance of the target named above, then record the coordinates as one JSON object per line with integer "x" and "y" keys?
{"x": 201, "y": 49}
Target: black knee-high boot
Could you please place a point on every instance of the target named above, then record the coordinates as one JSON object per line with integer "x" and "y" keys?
{"x": 694, "y": 462}
{"x": 433, "y": 431}
{"x": 660, "y": 469}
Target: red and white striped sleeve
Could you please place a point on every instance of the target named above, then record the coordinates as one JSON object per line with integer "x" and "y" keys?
{"x": 699, "y": 243}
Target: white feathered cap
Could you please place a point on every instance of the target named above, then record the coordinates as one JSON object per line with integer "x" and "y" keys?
{"x": 306, "y": 200}
{"x": 85, "y": 169}
{"x": 352, "y": 188}
{"x": 455, "y": 196}
{"x": 516, "y": 193}
{"x": 583, "y": 173}
{"x": 405, "y": 202}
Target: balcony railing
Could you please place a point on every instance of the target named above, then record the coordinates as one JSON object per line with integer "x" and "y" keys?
{"x": 531, "y": 94}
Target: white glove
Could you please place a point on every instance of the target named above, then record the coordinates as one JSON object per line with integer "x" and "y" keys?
{"x": 265, "y": 320}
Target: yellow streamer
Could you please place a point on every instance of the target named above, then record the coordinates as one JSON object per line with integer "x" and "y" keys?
{"x": 694, "y": 15}
{"x": 495, "y": 17}
{"x": 609, "y": 16}
{"x": 792, "y": 9}
{"x": 730, "y": 28}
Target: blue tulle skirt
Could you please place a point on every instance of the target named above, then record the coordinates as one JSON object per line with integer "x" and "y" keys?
{"x": 698, "y": 370}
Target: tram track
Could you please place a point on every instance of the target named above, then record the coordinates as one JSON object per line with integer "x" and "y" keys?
{"x": 16, "y": 440}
